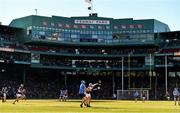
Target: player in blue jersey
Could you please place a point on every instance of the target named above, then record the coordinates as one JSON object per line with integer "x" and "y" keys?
{"x": 176, "y": 95}
{"x": 61, "y": 94}
{"x": 136, "y": 95}
{"x": 82, "y": 89}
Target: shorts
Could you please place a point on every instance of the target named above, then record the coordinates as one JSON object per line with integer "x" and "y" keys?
{"x": 88, "y": 95}
{"x": 4, "y": 94}
{"x": 18, "y": 95}
{"x": 65, "y": 96}
{"x": 143, "y": 98}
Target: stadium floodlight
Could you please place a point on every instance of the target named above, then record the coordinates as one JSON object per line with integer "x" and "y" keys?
{"x": 36, "y": 11}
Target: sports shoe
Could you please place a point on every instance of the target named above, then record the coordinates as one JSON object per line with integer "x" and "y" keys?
{"x": 88, "y": 106}
{"x": 81, "y": 105}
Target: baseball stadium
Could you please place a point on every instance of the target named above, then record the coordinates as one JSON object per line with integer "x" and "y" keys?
{"x": 124, "y": 57}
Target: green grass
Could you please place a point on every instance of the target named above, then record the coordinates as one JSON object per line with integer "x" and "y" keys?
{"x": 72, "y": 106}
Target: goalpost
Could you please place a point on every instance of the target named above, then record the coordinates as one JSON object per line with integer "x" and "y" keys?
{"x": 129, "y": 94}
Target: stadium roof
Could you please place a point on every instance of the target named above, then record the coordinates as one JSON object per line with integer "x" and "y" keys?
{"x": 8, "y": 29}
{"x": 174, "y": 34}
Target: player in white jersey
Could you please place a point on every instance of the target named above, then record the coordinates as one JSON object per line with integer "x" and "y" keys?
{"x": 136, "y": 96}
{"x": 4, "y": 92}
{"x": 20, "y": 93}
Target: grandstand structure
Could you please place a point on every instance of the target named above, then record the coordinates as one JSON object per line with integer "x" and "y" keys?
{"x": 50, "y": 53}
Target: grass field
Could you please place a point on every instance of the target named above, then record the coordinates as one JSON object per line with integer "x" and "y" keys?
{"x": 72, "y": 106}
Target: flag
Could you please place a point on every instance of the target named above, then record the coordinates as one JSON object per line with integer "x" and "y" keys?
{"x": 89, "y": 8}
{"x": 88, "y": 1}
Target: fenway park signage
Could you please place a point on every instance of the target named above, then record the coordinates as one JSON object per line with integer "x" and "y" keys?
{"x": 102, "y": 22}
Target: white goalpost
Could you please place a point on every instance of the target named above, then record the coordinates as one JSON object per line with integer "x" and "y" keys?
{"x": 129, "y": 94}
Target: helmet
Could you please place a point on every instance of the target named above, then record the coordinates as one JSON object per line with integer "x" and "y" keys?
{"x": 22, "y": 85}
{"x": 83, "y": 82}
{"x": 90, "y": 84}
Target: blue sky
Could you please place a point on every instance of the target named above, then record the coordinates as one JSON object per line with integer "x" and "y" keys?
{"x": 167, "y": 11}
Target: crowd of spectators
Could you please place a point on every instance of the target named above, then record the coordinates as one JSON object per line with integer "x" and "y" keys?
{"x": 169, "y": 50}
{"x": 160, "y": 93}
{"x": 49, "y": 87}
{"x": 42, "y": 85}
{"x": 7, "y": 37}
{"x": 115, "y": 51}
{"x": 76, "y": 50}
{"x": 11, "y": 57}
{"x": 108, "y": 64}
{"x": 172, "y": 43}
{"x": 55, "y": 62}
{"x": 10, "y": 81}
{"x": 50, "y": 49}
{"x": 160, "y": 60}
{"x": 135, "y": 63}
